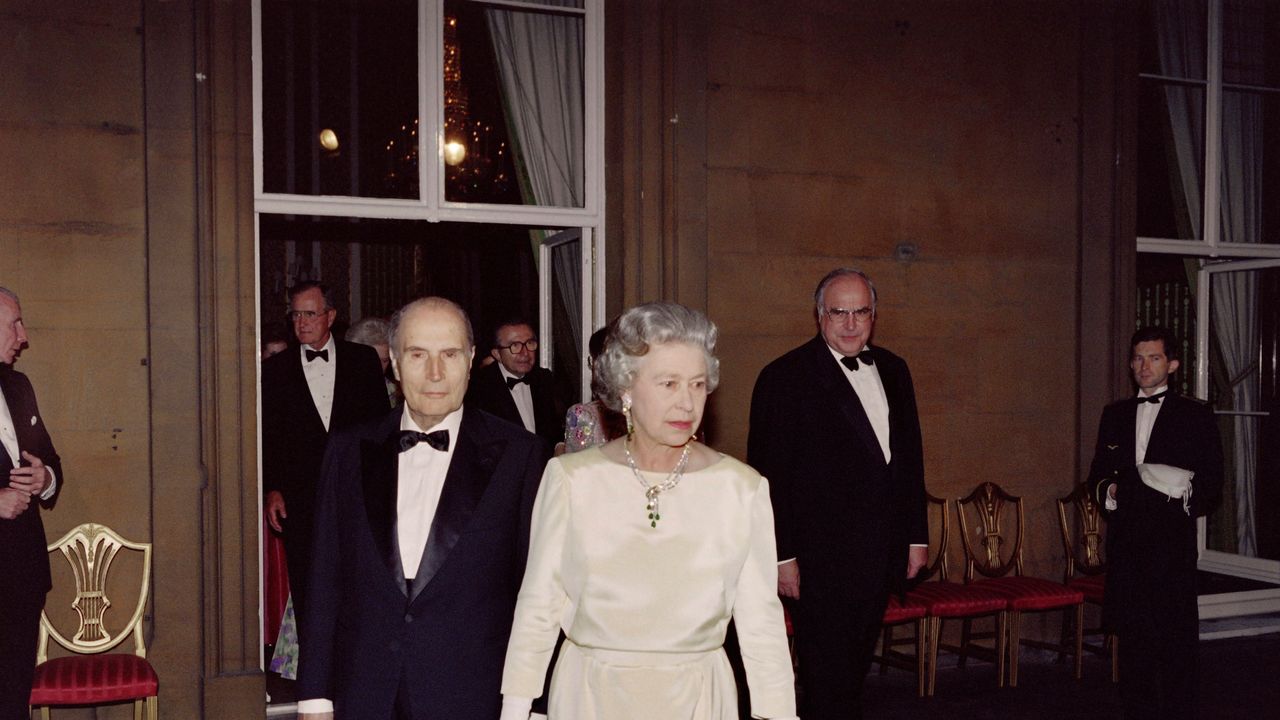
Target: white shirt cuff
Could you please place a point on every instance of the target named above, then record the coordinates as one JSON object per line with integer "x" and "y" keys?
{"x": 315, "y": 705}
{"x": 53, "y": 485}
{"x": 784, "y": 562}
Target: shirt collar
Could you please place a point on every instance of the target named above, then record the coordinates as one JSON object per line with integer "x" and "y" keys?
{"x": 837, "y": 354}
{"x": 330, "y": 346}
{"x": 505, "y": 374}
{"x": 451, "y": 422}
{"x": 1157, "y": 391}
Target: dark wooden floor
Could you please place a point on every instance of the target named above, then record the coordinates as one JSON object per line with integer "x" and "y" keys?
{"x": 1239, "y": 678}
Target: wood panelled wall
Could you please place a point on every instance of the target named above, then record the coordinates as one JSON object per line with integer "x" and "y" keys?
{"x": 754, "y": 146}
{"x": 750, "y": 148}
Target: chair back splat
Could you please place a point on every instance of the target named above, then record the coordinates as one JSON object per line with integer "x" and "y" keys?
{"x": 995, "y": 556}
{"x": 92, "y": 675}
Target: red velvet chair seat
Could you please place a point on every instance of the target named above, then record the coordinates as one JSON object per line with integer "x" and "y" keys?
{"x": 93, "y": 679}
{"x": 1030, "y": 593}
{"x": 897, "y": 611}
{"x": 948, "y": 599}
{"x": 1093, "y": 586}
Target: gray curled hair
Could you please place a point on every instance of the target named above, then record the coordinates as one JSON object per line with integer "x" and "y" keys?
{"x": 639, "y": 329}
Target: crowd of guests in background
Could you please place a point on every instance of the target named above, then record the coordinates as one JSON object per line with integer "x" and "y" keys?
{"x": 454, "y": 533}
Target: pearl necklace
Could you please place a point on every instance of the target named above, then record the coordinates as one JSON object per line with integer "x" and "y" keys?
{"x": 651, "y": 492}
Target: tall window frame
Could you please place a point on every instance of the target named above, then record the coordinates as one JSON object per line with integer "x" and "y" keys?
{"x": 1214, "y": 255}
{"x": 585, "y": 224}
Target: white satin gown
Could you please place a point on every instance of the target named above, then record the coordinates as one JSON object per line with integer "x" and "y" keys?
{"x": 645, "y": 609}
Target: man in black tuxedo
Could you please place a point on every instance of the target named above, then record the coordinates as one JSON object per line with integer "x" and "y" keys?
{"x": 834, "y": 428}
{"x": 422, "y": 530}
{"x": 1150, "y": 601}
{"x": 30, "y": 474}
{"x": 309, "y": 391}
{"x": 514, "y": 388}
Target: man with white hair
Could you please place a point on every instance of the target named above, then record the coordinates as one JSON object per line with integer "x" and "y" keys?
{"x": 421, "y": 533}
{"x": 29, "y": 476}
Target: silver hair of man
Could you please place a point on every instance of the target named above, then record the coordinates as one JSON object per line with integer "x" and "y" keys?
{"x": 370, "y": 331}
{"x": 425, "y": 302}
{"x": 639, "y": 329}
{"x": 820, "y": 293}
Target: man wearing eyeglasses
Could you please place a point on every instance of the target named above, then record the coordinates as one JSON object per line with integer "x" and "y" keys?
{"x": 834, "y": 427}
{"x": 514, "y": 388}
{"x": 323, "y": 384}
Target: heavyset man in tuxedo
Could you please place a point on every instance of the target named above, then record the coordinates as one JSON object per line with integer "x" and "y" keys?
{"x": 422, "y": 530}
{"x": 308, "y": 392}
{"x": 835, "y": 430}
{"x": 1150, "y": 601}
{"x": 514, "y": 388}
{"x": 29, "y": 476}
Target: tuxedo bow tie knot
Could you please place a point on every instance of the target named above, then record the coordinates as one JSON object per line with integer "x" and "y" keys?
{"x": 1153, "y": 399}
{"x": 438, "y": 439}
{"x": 322, "y": 354}
{"x": 512, "y": 382}
{"x": 852, "y": 361}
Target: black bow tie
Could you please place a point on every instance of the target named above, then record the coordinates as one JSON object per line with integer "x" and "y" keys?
{"x": 322, "y": 354}
{"x": 851, "y": 361}
{"x": 512, "y": 382}
{"x": 1153, "y": 399}
{"x": 438, "y": 439}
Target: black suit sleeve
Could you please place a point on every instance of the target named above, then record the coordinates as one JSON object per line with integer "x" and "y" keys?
{"x": 769, "y": 452}
{"x": 324, "y": 591}
{"x": 32, "y": 438}
{"x": 913, "y": 511}
{"x": 1207, "y": 483}
{"x": 1112, "y": 459}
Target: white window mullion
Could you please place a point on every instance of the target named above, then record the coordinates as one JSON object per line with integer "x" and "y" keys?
{"x": 430, "y": 102}
{"x": 1212, "y": 220}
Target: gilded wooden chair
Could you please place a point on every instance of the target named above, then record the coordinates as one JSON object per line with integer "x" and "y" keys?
{"x": 944, "y": 600}
{"x": 1080, "y": 520}
{"x": 92, "y": 675}
{"x": 993, "y": 561}
{"x": 900, "y": 612}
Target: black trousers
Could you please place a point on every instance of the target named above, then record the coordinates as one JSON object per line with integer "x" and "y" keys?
{"x": 1158, "y": 662}
{"x": 19, "y": 630}
{"x": 835, "y": 642}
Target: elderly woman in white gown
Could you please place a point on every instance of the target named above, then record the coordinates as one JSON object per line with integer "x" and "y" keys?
{"x": 643, "y": 549}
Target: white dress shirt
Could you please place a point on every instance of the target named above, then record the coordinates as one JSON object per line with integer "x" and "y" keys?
{"x": 523, "y": 396}
{"x": 422, "y": 470}
{"x": 419, "y": 481}
{"x": 320, "y": 378}
{"x": 1147, "y": 412}
{"x": 9, "y": 438}
{"x": 1143, "y": 422}
{"x": 870, "y": 390}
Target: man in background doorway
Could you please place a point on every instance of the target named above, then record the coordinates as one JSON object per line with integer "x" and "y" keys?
{"x": 514, "y": 388}
{"x": 307, "y": 392}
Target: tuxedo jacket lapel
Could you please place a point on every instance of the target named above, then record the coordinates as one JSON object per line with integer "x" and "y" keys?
{"x": 837, "y": 386}
{"x": 378, "y": 472}
{"x": 472, "y": 465}
{"x": 298, "y": 383}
